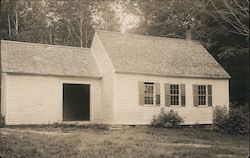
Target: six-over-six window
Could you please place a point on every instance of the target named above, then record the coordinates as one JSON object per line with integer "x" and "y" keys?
{"x": 174, "y": 94}
{"x": 202, "y": 92}
{"x": 149, "y": 94}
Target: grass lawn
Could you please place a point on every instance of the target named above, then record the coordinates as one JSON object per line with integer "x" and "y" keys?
{"x": 127, "y": 142}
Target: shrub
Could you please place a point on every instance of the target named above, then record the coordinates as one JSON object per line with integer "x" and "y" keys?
{"x": 2, "y": 121}
{"x": 233, "y": 121}
{"x": 220, "y": 115}
{"x": 167, "y": 120}
{"x": 237, "y": 122}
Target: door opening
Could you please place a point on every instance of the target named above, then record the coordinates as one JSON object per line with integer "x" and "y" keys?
{"x": 76, "y": 102}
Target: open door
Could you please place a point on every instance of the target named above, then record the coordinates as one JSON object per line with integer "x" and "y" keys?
{"x": 76, "y": 102}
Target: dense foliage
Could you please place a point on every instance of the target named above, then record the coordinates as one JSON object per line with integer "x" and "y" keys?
{"x": 167, "y": 119}
{"x": 221, "y": 26}
{"x": 234, "y": 121}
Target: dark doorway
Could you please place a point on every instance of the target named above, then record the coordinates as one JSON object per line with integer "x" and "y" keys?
{"x": 76, "y": 102}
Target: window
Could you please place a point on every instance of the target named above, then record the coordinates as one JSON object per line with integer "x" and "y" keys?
{"x": 202, "y": 95}
{"x": 149, "y": 93}
{"x": 202, "y": 92}
{"x": 174, "y": 94}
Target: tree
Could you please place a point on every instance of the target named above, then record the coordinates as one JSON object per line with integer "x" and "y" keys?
{"x": 233, "y": 13}
{"x": 78, "y": 19}
{"x": 104, "y": 16}
{"x": 166, "y": 18}
{"x": 24, "y": 21}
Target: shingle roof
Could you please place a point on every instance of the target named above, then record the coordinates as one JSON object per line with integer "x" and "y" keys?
{"x": 22, "y": 57}
{"x": 159, "y": 56}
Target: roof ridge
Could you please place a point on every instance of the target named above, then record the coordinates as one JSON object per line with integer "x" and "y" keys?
{"x": 44, "y": 45}
{"x": 148, "y": 36}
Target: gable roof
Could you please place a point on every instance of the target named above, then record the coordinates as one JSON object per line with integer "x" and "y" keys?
{"x": 141, "y": 54}
{"x": 31, "y": 58}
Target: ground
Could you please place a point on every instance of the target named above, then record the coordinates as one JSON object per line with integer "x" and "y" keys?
{"x": 123, "y": 142}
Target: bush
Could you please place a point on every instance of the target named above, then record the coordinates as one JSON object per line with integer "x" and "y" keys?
{"x": 220, "y": 115}
{"x": 167, "y": 120}
{"x": 233, "y": 121}
{"x": 2, "y": 121}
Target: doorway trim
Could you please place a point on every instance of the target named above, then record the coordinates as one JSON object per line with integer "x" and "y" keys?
{"x": 61, "y": 98}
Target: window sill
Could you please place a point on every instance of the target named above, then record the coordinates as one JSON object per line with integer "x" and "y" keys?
{"x": 176, "y": 106}
{"x": 203, "y": 106}
{"x": 149, "y": 105}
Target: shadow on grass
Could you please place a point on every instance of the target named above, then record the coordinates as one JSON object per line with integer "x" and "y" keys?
{"x": 60, "y": 127}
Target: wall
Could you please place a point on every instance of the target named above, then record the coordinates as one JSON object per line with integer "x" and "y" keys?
{"x": 3, "y": 93}
{"x": 32, "y": 99}
{"x": 128, "y": 110}
{"x": 107, "y": 71}
{"x": 100, "y": 55}
{"x": 108, "y": 100}
{"x": 38, "y": 99}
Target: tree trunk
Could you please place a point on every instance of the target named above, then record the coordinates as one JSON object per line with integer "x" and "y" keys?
{"x": 81, "y": 32}
{"x": 106, "y": 24}
{"x": 25, "y": 23}
{"x": 50, "y": 36}
{"x": 16, "y": 23}
{"x": 9, "y": 25}
{"x": 86, "y": 33}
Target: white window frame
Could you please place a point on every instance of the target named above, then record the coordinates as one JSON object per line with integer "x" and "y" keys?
{"x": 179, "y": 95}
{"x": 154, "y": 98}
{"x": 206, "y": 95}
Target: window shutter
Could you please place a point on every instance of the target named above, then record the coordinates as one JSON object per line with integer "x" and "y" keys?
{"x": 183, "y": 95}
{"x": 195, "y": 95}
{"x": 141, "y": 93}
{"x": 167, "y": 94}
{"x": 157, "y": 94}
{"x": 209, "y": 90}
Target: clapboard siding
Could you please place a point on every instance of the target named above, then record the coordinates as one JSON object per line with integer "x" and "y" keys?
{"x": 108, "y": 100}
{"x": 38, "y": 99}
{"x": 128, "y": 110}
{"x": 107, "y": 71}
{"x": 3, "y": 93}
{"x": 100, "y": 55}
